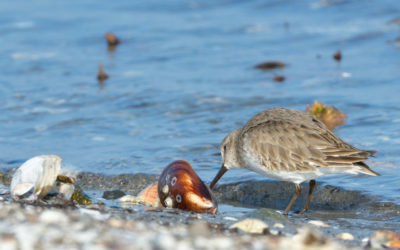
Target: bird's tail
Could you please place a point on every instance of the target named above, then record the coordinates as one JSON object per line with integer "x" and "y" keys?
{"x": 364, "y": 168}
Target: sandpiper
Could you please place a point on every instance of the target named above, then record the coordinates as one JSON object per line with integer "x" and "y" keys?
{"x": 293, "y": 146}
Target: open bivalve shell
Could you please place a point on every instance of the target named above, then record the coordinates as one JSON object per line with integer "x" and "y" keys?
{"x": 38, "y": 174}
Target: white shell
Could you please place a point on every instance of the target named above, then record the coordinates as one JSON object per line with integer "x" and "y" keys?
{"x": 39, "y": 173}
{"x": 67, "y": 189}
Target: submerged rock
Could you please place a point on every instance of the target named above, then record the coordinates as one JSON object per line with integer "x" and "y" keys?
{"x": 113, "y": 194}
{"x": 37, "y": 174}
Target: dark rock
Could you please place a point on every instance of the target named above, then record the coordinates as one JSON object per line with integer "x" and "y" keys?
{"x": 112, "y": 195}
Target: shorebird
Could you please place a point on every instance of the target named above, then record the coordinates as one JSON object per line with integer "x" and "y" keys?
{"x": 293, "y": 146}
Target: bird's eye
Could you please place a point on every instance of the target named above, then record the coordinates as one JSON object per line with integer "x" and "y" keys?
{"x": 224, "y": 147}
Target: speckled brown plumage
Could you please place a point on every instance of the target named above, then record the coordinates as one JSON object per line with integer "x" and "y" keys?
{"x": 292, "y": 146}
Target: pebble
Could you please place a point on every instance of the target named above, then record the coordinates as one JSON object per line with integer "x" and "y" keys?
{"x": 254, "y": 226}
{"x": 128, "y": 198}
{"x": 318, "y": 223}
{"x": 43, "y": 227}
{"x": 199, "y": 228}
{"x": 115, "y": 223}
{"x": 279, "y": 225}
{"x": 94, "y": 214}
{"x": 230, "y": 218}
{"x": 345, "y": 236}
{"x": 53, "y": 217}
{"x": 67, "y": 190}
{"x": 164, "y": 241}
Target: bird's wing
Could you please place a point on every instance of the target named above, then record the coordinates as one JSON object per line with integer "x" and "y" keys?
{"x": 298, "y": 143}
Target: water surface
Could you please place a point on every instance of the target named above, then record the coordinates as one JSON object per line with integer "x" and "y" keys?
{"x": 183, "y": 78}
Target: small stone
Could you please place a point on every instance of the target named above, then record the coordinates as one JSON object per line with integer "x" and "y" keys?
{"x": 221, "y": 243}
{"x": 53, "y": 217}
{"x": 8, "y": 242}
{"x": 254, "y": 226}
{"x": 230, "y": 218}
{"x": 318, "y": 223}
{"x": 199, "y": 228}
{"x": 132, "y": 199}
{"x": 94, "y": 214}
{"x": 278, "y": 225}
{"x": 112, "y": 195}
{"x": 116, "y": 223}
{"x": 308, "y": 237}
{"x": 345, "y": 236}
{"x": 164, "y": 241}
{"x": 67, "y": 190}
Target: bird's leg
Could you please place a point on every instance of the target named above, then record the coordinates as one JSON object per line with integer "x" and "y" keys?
{"x": 294, "y": 198}
{"x": 312, "y": 184}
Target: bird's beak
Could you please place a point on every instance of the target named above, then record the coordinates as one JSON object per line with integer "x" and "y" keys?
{"x": 221, "y": 172}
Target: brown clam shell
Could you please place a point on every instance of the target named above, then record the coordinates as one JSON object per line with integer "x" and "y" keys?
{"x": 180, "y": 187}
{"x": 150, "y": 195}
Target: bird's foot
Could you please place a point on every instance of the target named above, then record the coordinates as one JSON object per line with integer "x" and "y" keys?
{"x": 302, "y": 211}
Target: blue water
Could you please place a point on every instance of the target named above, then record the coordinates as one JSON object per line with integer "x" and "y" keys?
{"x": 183, "y": 77}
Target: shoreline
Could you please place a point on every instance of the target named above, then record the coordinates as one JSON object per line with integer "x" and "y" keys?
{"x": 334, "y": 211}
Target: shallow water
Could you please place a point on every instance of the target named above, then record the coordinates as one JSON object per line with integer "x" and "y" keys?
{"x": 183, "y": 78}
